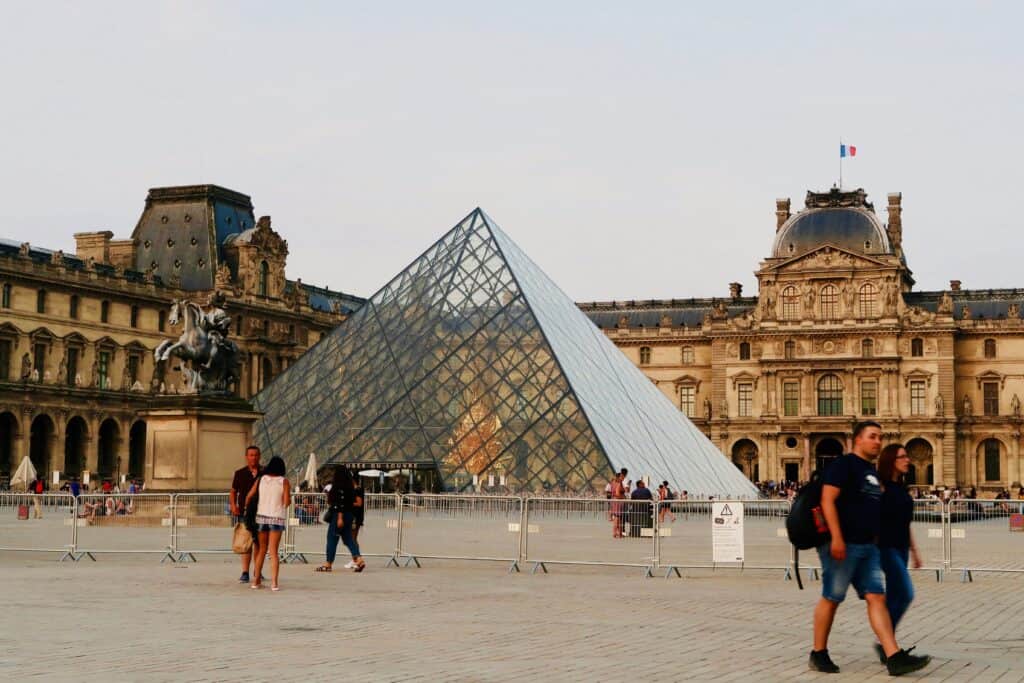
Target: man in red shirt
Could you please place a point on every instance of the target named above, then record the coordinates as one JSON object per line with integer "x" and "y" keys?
{"x": 241, "y": 483}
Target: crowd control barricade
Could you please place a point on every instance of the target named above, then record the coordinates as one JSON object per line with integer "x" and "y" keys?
{"x": 124, "y": 523}
{"x": 589, "y": 531}
{"x": 928, "y": 528}
{"x": 307, "y": 532}
{"x": 985, "y": 536}
{"x": 202, "y": 524}
{"x": 459, "y": 527}
{"x": 686, "y": 536}
{"x": 38, "y": 523}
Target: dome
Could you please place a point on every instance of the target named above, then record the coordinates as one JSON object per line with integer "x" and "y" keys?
{"x": 853, "y": 227}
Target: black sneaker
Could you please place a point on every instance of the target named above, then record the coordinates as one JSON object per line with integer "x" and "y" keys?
{"x": 244, "y": 578}
{"x": 880, "y": 651}
{"x": 820, "y": 661}
{"x": 903, "y": 663}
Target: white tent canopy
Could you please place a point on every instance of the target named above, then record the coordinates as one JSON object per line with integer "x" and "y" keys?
{"x": 23, "y": 476}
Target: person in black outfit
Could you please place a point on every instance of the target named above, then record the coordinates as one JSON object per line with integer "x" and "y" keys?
{"x": 343, "y": 500}
{"x": 895, "y": 542}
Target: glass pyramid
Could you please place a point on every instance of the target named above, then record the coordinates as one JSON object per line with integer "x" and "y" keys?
{"x": 472, "y": 362}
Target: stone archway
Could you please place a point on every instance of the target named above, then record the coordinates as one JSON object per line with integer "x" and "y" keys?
{"x": 41, "y": 440}
{"x": 137, "y": 450}
{"x": 76, "y": 437}
{"x": 8, "y": 440}
{"x": 825, "y": 451}
{"x": 745, "y": 457}
{"x": 109, "y": 437}
{"x": 921, "y": 470}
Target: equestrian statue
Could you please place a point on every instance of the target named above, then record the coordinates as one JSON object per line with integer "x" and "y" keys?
{"x": 212, "y": 358}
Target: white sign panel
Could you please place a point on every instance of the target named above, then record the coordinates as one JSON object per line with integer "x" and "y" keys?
{"x": 727, "y": 531}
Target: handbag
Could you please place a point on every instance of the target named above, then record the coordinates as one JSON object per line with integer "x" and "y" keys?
{"x": 329, "y": 514}
{"x": 241, "y": 541}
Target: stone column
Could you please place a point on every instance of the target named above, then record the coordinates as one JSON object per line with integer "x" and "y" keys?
{"x": 92, "y": 452}
{"x": 60, "y": 435}
{"x": 1013, "y": 461}
{"x": 24, "y": 444}
{"x": 806, "y": 474}
{"x": 121, "y": 451}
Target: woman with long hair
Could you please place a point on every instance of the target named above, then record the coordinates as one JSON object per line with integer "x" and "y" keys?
{"x": 342, "y": 499}
{"x": 275, "y": 496}
{"x": 895, "y": 542}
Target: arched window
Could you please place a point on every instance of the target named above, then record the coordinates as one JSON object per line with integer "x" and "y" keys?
{"x": 790, "y": 303}
{"x": 135, "y": 316}
{"x": 264, "y": 278}
{"x": 105, "y": 312}
{"x": 744, "y": 350}
{"x": 7, "y": 296}
{"x": 645, "y": 355}
{"x": 990, "y": 348}
{"x": 829, "y": 299}
{"x": 73, "y": 307}
{"x": 41, "y": 301}
{"x": 830, "y": 396}
{"x": 868, "y": 300}
{"x": 917, "y": 347}
{"x": 687, "y": 355}
{"x": 867, "y": 348}
{"x": 789, "y": 352}
{"x": 991, "y": 452}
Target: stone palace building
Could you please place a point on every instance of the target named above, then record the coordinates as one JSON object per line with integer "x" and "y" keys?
{"x": 837, "y": 334}
{"x": 77, "y": 331}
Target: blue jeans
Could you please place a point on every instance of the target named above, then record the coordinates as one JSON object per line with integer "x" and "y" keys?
{"x": 899, "y": 590}
{"x": 344, "y": 534}
{"x": 860, "y": 568}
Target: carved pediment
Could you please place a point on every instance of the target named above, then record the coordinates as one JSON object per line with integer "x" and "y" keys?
{"x": 744, "y": 377}
{"x": 918, "y": 375}
{"x": 991, "y": 376}
{"x": 687, "y": 380}
{"x": 826, "y": 257}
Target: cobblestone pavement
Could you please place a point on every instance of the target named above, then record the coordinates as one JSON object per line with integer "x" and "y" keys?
{"x": 131, "y": 618}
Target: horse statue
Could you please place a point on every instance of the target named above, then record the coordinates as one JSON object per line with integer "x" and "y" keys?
{"x": 212, "y": 358}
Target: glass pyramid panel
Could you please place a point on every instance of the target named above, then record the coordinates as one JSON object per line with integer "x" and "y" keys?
{"x": 473, "y": 363}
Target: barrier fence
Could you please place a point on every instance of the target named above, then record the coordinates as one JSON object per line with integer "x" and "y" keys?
{"x": 670, "y": 536}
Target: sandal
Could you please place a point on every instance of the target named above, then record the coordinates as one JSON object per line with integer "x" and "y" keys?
{"x": 324, "y": 568}
{"x": 360, "y": 566}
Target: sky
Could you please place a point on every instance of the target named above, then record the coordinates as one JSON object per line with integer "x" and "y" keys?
{"x": 633, "y": 150}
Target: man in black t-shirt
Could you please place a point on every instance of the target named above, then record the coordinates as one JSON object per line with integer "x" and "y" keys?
{"x": 241, "y": 483}
{"x": 851, "y": 501}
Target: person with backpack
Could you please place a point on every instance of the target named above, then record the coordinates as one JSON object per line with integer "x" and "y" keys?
{"x": 38, "y": 488}
{"x": 851, "y": 504}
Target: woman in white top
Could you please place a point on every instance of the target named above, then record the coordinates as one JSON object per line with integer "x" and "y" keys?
{"x": 272, "y": 489}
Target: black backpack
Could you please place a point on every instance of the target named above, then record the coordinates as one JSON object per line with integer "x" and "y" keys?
{"x": 805, "y": 524}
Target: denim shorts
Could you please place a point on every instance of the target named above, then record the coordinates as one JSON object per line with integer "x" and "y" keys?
{"x": 271, "y": 527}
{"x": 862, "y": 568}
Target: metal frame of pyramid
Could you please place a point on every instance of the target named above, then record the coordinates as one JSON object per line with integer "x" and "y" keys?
{"x": 471, "y": 360}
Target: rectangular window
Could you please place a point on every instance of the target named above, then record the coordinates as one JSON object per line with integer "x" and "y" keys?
{"x": 688, "y": 400}
{"x": 992, "y": 460}
{"x": 917, "y": 398}
{"x": 161, "y": 321}
{"x": 7, "y": 296}
{"x": 687, "y": 355}
{"x": 990, "y": 392}
{"x": 791, "y": 399}
{"x": 73, "y": 308}
{"x": 72, "y": 365}
{"x": 39, "y": 360}
{"x": 868, "y": 397}
{"x": 104, "y": 369}
{"x": 5, "y": 359}
{"x": 41, "y": 301}
{"x": 745, "y": 392}
{"x": 133, "y": 369}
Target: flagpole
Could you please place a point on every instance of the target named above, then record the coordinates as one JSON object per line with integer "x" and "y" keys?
{"x": 840, "y": 164}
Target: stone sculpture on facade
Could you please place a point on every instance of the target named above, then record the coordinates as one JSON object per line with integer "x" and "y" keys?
{"x": 26, "y": 367}
{"x": 1015, "y": 405}
{"x": 213, "y": 359}
{"x": 945, "y": 304}
{"x": 939, "y": 405}
{"x": 968, "y": 408}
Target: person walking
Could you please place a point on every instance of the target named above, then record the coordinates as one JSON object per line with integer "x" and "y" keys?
{"x": 851, "y": 501}
{"x": 358, "y": 513}
{"x": 342, "y": 500}
{"x": 271, "y": 517}
{"x": 38, "y": 488}
{"x": 896, "y": 546}
{"x": 241, "y": 484}
{"x": 617, "y": 507}
{"x": 665, "y": 507}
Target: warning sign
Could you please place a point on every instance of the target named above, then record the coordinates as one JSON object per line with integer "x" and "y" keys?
{"x": 727, "y": 532}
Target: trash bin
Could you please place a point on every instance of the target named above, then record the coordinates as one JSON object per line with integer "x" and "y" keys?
{"x": 22, "y": 511}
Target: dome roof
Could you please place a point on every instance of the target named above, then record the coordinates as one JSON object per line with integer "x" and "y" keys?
{"x": 854, "y": 228}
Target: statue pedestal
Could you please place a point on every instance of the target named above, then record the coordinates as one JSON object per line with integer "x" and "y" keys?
{"x": 195, "y": 443}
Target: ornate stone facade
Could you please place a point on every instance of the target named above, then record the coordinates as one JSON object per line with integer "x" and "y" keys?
{"x": 77, "y": 333}
{"x": 836, "y": 335}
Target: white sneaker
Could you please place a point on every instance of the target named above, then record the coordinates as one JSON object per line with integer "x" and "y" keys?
{"x": 350, "y": 565}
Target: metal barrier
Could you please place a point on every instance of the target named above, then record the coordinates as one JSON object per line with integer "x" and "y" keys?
{"x": 589, "y": 531}
{"x": 928, "y": 528}
{"x": 124, "y": 523}
{"x": 47, "y": 526}
{"x": 439, "y": 527}
{"x": 685, "y": 535}
{"x": 307, "y": 532}
{"x": 201, "y": 525}
{"x": 983, "y": 537}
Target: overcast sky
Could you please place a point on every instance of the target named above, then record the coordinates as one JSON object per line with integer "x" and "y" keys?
{"x": 634, "y": 150}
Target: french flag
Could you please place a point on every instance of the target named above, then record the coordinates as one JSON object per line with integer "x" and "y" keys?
{"x": 847, "y": 151}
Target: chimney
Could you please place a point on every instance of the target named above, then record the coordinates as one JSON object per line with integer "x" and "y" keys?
{"x": 954, "y": 285}
{"x": 895, "y": 210}
{"x": 263, "y": 223}
{"x": 735, "y": 290}
{"x": 781, "y": 212}
{"x": 93, "y": 244}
